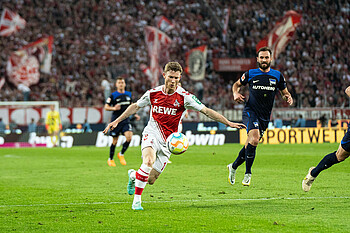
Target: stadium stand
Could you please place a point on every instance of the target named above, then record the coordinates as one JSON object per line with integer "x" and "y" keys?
{"x": 97, "y": 40}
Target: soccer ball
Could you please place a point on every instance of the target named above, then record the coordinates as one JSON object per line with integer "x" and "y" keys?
{"x": 177, "y": 143}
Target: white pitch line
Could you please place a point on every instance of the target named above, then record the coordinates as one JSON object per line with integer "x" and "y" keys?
{"x": 166, "y": 201}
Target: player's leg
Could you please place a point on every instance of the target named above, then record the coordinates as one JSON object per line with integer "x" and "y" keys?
{"x": 55, "y": 135}
{"x": 329, "y": 160}
{"x": 128, "y": 136}
{"x": 110, "y": 161}
{"x": 232, "y": 167}
{"x": 250, "y": 150}
{"x": 158, "y": 167}
{"x": 149, "y": 157}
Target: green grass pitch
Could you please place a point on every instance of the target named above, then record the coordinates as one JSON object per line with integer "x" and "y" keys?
{"x": 73, "y": 190}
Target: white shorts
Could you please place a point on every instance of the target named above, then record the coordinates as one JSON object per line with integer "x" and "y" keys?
{"x": 162, "y": 152}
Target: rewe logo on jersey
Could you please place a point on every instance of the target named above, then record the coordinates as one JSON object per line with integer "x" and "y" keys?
{"x": 164, "y": 110}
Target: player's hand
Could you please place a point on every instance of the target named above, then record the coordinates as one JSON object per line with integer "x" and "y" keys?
{"x": 237, "y": 125}
{"x": 239, "y": 98}
{"x": 117, "y": 107}
{"x": 110, "y": 126}
{"x": 289, "y": 99}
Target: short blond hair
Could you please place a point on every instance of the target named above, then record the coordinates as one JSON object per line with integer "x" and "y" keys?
{"x": 173, "y": 66}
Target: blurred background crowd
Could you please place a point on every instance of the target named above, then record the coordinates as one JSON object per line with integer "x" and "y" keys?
{"x": 96, "y": 41}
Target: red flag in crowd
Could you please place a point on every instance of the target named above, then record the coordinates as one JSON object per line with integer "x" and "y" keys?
{"x": 157, "y": 44}
{"x": 227, "y": 18}
{"x": 42, "y": 49}
{"x": 281, "y": 34}
{"x": 10, "y": 22}
{"x": 23, "y": 65}
{"x": 164, "y": 24}
{"x": 196, "y": 60}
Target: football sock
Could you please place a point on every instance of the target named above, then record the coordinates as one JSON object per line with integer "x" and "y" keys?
{"x": 111, "y": 151}
{"x": 125, "y": 147}
{"x": 325, "y": 163}
{"x": 249, "y": 158}
{"x": 240, "y": 159}
{"x": 141, "y": 181}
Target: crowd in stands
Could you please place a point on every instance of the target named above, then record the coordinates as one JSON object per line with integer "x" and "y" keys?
{"x": 101, "y": 39}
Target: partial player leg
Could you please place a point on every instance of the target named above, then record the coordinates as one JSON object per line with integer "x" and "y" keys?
{"x": 232, "y": 167}
{"x": 149, "y": 156}
{"x": 153, "y": 176}
{"x": 128, "y": 136}
{"x": 252, "y": 143}
{"x": 327, "y": 161}
{"x": 110, "y": 161}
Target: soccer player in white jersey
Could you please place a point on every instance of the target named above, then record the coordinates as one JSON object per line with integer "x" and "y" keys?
{"x": 168, "y": 104}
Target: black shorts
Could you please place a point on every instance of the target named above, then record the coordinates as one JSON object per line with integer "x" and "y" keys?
{"x": 345, "y": 142}
{"x": 120, "y": 129}
{"x": 251, "y": 121}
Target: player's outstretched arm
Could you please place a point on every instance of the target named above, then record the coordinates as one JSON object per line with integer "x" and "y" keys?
{"x": 132, "y": 109}
{"x": 238, "y": 97}
{"x": 287, "y": 96}
{"x": 220, "y": 118}
{"x": 347, "y": 91}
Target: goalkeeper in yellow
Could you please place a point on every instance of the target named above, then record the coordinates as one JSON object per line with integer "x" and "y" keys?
{"x": 53, "y": 124}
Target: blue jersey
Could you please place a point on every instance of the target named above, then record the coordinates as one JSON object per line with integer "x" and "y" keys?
{"x": 263, "y": 87}
{"x": 123, "y": 99}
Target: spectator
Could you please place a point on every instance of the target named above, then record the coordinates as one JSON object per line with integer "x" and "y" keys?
{"x": 32, "y": 126}
{"x": 278, "y": 123}
{"x": 301, "y": 122}
{"x": 87, "y": 127}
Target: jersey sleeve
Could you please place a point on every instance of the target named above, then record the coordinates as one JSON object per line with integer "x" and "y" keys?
{"x": 144, "y": 100}
{"x": 244, "y": 78}
{"x": 110, "y": 100}
{"x": 282, "y": 83}
{"x": 192, "y": 102}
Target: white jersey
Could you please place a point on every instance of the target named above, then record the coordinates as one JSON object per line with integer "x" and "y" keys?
{"x": 167, "y": 110}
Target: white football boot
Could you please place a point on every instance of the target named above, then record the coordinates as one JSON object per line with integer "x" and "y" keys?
{"x": 308, "y": 180}
{"x": 246, "y": 179}
{"x": 231, "y": 174}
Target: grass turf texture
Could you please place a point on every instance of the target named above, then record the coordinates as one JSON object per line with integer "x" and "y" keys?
{"x": 73, "y": 190}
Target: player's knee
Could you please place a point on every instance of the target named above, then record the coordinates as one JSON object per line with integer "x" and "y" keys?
{"x": 254, "y": 141}
{"x": 341, "y": 156}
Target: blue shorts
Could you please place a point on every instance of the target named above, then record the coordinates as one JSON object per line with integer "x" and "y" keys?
{"x": 251, "y": 121}
{"x": 345, "y": 142}
{"x": 120, "y": 129}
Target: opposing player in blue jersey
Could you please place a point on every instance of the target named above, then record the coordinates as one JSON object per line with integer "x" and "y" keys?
{"x": 118, "y": 102}
{"x": 335, "y": 157}
{"x": 263, "y": 85}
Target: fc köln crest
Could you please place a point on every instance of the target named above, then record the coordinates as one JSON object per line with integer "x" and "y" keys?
{"x": 176, "y": 103}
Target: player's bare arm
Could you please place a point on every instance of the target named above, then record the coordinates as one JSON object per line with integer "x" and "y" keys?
{"x": 220, "y": 118}
{"x": 238, "y": 97}
{"x": 347, "y": 91}
{"x": 114, "y": 108}
{"x": 132, "y": 109}
{"x": 287, "y": 96}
